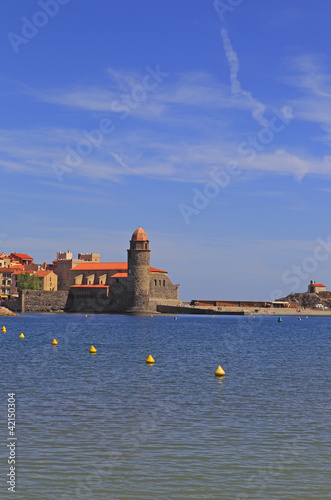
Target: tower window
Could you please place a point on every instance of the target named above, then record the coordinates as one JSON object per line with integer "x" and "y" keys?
{"x": 163, "y": 282}
{"x": 160, "y": 282}
{"x": 155, "y": 282}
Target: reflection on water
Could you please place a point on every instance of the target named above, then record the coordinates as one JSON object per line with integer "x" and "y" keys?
{"x": 110, "y": 426}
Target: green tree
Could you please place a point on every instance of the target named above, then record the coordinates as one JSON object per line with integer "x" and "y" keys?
{"x": 27, "y": 281}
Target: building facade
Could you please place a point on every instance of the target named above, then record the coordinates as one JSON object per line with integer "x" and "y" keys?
{"x": 6, "y": 280}
{"x": 48, "y": 280}
{"x": 314, "y": 287}
{"x": 133, "y": 286}
{"x": 64, "y": 262}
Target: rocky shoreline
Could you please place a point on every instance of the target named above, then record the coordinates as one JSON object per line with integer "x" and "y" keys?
{"x": 6, "y": 312}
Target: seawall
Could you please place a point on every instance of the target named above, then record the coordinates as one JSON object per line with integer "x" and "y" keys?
{"x": 196, "y": 310}
{"x": 37, "y": 301}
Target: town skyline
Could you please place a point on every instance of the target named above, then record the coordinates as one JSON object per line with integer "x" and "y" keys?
{"x": 205, "y": 123}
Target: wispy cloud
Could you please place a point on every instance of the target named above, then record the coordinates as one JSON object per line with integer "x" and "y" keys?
{"x": 142, "y": 153}
{"x": 187, "y": 91}
{"x": 309, "y": 76}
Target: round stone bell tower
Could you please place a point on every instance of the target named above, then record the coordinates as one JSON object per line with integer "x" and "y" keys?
{"x": 138, "y": 272}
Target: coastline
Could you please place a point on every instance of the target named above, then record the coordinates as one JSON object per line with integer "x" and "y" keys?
{"x": 274, "y": 311}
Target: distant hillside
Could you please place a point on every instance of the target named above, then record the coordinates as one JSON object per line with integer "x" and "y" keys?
{"x": 310, "y": 300}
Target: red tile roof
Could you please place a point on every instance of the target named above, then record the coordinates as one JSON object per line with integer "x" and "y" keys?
{"x": 155, "y": 270}
{"x": 120, "y": 275}
{"x": 12, "y": 269}
{"x": 42, "y": 274}
{"x": 108, "y": 266}
{"x": 101, "y": 266}
{"x": 318, "y": 284}
{"x": 23, "y": 256}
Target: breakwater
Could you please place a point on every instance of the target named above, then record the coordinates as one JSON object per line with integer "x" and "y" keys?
{"x": 197, "y": 310}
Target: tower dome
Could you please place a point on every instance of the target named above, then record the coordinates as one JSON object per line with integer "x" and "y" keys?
{"x": 139, "y": 235}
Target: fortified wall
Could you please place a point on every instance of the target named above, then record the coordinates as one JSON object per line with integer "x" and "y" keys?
{"x": 36, "y": 301}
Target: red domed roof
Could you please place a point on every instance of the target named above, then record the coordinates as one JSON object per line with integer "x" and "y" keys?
{"x": 139, "y": 235}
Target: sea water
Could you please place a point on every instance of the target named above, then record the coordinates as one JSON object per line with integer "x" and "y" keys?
{"x": 109, "y": 426}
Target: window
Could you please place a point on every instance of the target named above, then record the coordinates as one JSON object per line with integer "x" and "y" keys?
{"x": 160, "y": 282}
{"x": 163, "y": 282}
{"x": 155, "y": 282}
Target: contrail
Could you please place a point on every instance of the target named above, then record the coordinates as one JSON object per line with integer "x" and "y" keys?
{"x": 231, "y": 55}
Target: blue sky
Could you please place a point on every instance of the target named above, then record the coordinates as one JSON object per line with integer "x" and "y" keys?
{"x": 207, "y": 123}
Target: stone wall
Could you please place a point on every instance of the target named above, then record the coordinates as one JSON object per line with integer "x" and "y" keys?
{"x": 98, "y": 300}
{"x": 160, "y": 288}
{"x": 42, "y": 301}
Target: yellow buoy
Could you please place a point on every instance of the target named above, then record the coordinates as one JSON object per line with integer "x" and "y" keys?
{"x": 213, "y": 316}
{"x": 21, "y": 336}
{"x": 85, "y": 315}
{"x": 219, "y": 371}
{"x": 93, "y": 350}
{"x": 55, "y": 342}
{"x": 150, "y": 359}
{"x": 4, "y": 329}
{"x": 151, "y": 315}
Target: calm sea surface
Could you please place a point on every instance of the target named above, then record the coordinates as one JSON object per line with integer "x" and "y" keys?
{"x": 108, "y": 426}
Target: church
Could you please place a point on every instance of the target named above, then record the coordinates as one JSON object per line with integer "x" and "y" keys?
{"x": 123, "y": 287}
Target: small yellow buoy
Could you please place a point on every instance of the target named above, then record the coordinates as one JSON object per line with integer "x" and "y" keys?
{"x": 151, "y": 315}
{"x": 213, "y": 316}
{"x": 219, "y": 372}
{"x": 55, "y": 342}
{"x": 150, "y": 359}
{"x": 85, "y": 315}
{"x": 4, "y": 329}
{"x": 21, "y": 336}
{"x": 93, "y": 350}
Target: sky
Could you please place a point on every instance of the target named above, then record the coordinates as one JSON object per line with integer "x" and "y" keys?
{"x": 208, "y": 123}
